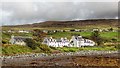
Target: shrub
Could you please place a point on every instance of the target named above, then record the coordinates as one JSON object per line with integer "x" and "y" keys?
{"x": 96, "y": 37}
{"x": 4, "y": 41}
{"x": 72, "y": 30}
{"x": 38, "y": 35}
{"x": 114, "y": 39}
{"x": 31, "y": 43}
{"x": 45, "y": 48}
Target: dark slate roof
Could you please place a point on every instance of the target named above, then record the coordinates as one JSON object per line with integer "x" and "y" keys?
{"x": 20, "y": 38}
{"x": 58, "y": 40}
{"x": 78, "y": 38}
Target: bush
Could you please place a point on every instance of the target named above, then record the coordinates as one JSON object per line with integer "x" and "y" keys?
{"x": 31, "y": 43}
{"x": 72, "y": 30}
{"x": 117, "y": 46}
{"x": 4, "y": 41}
{"x": 114, "y": 39}
{"x": 38, "y": 35}
{"x": 45, "y": 48}
{"x": 96, "y": 37}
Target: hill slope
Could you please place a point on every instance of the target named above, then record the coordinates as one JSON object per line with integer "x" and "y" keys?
{"x": 77, "y": 23}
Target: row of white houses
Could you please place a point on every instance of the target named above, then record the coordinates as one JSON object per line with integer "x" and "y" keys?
{"x": 75, "y": 41}
{"x": 56, "y": 42}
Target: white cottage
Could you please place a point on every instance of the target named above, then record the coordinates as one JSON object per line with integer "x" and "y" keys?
{"x": 23, "y": 31}
{"x": 78, "y": 41}
{"x": 19, "y": 40}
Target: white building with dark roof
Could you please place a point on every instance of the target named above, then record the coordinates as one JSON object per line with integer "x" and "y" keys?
{"x": 78, "y": 41}
{"x": 19, "y": 40}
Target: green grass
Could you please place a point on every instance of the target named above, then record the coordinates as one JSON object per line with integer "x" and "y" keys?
{"x": 109, "y": 34}
{"x": 15, "y": 49}
{"x": 104, "y": 48}
{"x": 105, "y": 35}
{"x": 69, "y": 34}
{"x": 86, "y": 34}
{"x": 60, "y": 34}
{"x": 97, "y": 48}
{"x": 68, "y": 49}
{"x": 0, "y": 50}
{"x": 6, "y": 35}
{"x": 18, "y": 49}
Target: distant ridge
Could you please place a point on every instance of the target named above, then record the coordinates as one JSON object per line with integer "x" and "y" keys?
{"x": 75, "y": 23}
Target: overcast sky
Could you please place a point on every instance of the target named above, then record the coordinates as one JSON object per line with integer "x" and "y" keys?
{"x": 12, "y": 13}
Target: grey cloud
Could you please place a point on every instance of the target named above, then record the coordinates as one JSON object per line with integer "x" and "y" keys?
{"x": 30, "y": 12}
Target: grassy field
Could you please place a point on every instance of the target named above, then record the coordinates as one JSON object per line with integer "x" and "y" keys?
{"x": 75, "y": 49}
{"x": 105, "y": 35}
{"x": 109, "y": 35}
{"x": 69, "y": 34}
{"x": 15, "y": 49}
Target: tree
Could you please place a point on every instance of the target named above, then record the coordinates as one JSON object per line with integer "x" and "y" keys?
{"x": 96, "y": 37}
{"x": 4, "y": 42}
{"x": 31, "y": 43}
{"x": 34, "y": 45}
{"x": 111, "y": 29}
{"x": 38, "y": 35}
{"x": 72, "y": 30}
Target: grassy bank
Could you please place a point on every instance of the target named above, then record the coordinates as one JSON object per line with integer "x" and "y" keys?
{"x": 17, "y": 49}
{"x": 97, "y": 48}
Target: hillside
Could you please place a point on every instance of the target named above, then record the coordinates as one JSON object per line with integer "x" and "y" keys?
{"x": 76, "y": 23}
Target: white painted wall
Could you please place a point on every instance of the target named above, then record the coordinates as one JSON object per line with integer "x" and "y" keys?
{"x": 76, "y": 42}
